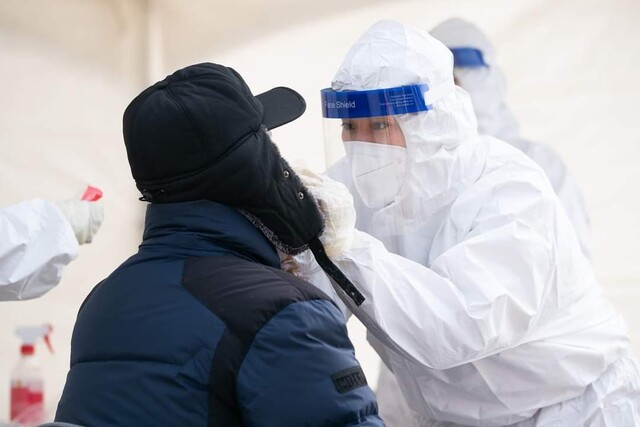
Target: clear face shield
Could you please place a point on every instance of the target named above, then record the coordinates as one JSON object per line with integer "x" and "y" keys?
{"x": 365, "y": 127}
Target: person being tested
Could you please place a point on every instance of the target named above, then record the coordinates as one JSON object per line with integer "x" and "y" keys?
{"x": 201, "y": 327}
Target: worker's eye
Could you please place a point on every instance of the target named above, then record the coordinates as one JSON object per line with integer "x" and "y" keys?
{"x": 379, "y": 125}
{"x": 348, "y": 126}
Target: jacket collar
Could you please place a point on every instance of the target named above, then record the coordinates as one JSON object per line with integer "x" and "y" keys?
{"x": 205, "y": 228}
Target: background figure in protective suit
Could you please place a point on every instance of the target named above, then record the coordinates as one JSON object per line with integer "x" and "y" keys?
{"x": 38, "y": 239}
{"x": 478, "y": 296}
{"x": 475, "y": 69}
{"x": 201, "y": 326}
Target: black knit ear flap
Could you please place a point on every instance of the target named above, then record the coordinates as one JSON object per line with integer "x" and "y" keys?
{"x": 334, "y": 272}
{"x": 273, "y": 237}
{"x": 280, "y": 206}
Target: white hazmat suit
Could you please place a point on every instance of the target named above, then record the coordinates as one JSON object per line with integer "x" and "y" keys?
{"x": 478, "y": 296}
{"x": 483, "y": 80}
{"x": 487, "y": 88}
{"x": 38, "y": 239}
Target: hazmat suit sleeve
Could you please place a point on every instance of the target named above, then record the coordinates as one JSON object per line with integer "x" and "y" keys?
{"x": 479, "y": 296}
{"x": 36, "y": 243}
{"x": 566, "y": 188}
{"x": 572, "y": 201}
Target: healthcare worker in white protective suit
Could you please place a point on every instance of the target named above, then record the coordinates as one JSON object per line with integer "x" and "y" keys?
{"x": 478, "y": 296}
{"x": 476, "y": 71}
{"x": 38, "y": 239}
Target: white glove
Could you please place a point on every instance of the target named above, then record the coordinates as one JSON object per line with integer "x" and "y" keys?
{"x": 84, "y": 217}
{"x": 336, "y": 205}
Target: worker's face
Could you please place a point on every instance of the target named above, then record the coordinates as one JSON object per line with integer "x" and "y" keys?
{"x": 377, "y": 130}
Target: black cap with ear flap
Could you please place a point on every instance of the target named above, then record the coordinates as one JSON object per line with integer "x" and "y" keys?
{"x": 201, "y": 134}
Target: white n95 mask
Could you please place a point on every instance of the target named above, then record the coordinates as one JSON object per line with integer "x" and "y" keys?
{"x": 378, "y": 171}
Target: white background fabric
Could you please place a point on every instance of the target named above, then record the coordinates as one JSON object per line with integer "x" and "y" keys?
{"x": 69, "y": 69}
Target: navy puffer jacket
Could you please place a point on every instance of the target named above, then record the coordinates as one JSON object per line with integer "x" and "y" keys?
{"x": 202, "y": 328}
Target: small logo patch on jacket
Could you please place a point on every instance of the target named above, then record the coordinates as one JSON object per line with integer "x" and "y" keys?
{"x": 349, "y": 379}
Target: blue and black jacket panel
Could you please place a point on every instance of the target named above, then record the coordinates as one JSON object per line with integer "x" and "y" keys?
{"x": 202, "y": 328}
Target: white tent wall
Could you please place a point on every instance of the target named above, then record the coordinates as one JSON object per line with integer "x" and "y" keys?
{"x": 69, "y": 69}
{"x": 72, "y": 66}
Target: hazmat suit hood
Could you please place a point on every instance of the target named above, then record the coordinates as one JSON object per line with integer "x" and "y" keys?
{"x": 485, "y": 84}
{"x": 440, "y": 142}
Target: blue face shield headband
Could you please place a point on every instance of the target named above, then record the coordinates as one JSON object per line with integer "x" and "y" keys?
{"x": 374, "y": 103}
{"x": 468, "y": 57}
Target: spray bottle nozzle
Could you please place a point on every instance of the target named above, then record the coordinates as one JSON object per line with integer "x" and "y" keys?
{"x": 31, "y": 334}
{"x": 92, "y": 194}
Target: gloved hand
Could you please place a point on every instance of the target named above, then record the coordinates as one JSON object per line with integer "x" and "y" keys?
{"x": 85, "y": 217}
{"x": 336, "y": 205}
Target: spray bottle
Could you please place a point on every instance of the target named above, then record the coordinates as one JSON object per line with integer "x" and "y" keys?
{"x": 27, "y": 388}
